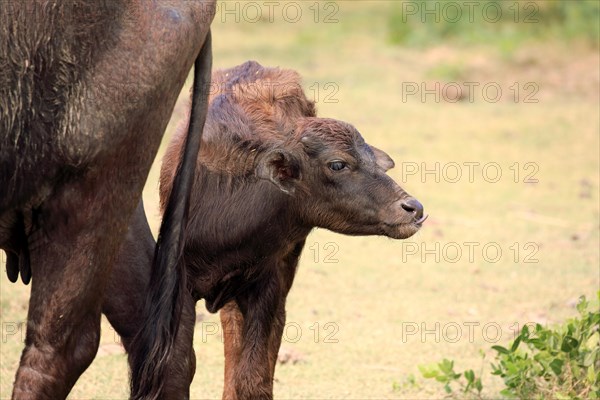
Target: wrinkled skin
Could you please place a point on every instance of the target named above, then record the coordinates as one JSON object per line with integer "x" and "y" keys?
{"x": 86, "y": 90}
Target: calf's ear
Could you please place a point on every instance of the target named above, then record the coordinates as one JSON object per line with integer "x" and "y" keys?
{"x": 382, "y": 159}
{"x": 281, "y": 168}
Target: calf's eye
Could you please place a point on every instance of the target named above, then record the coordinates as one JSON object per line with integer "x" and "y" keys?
{"x": 337, "y": 165}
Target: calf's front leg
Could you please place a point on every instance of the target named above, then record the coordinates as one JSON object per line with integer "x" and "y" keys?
{"x": 238, "y": 385}
{"x": 252, "y": 373}
{"x": 232, "y": 323}
{"x": 252, "y": 341}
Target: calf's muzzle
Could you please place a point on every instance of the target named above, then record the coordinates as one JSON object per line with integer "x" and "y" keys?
{"x": 413, "y": 205}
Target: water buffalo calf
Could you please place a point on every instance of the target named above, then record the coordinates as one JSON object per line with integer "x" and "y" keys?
{"x": 268, "y": 173}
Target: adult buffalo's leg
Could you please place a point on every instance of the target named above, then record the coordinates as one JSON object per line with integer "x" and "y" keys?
{"x": 125, "y": 293}
{"x": 72, "y": 246}
{"x": 124, "y": 298}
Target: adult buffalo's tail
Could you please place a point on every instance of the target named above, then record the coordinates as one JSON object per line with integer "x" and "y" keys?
{"x": 151, "y": 350}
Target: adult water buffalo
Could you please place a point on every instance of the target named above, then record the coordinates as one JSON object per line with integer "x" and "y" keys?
{"x": 86, "y": 90}
{"x": 268, "y": 173}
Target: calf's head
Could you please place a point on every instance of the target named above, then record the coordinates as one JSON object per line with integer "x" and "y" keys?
{"x": 337, "y": 181}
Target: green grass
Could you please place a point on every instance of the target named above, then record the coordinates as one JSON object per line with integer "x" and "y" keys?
{"x": 503, "y": 24}
{"x": 376, "y": 290}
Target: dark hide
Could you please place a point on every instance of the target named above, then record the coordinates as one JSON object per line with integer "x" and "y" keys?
{"x": 268, "y": 173}
{"x": 86, "y": 90}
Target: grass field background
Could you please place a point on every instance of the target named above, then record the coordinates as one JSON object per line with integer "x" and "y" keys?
{"x": 364, "y": 312}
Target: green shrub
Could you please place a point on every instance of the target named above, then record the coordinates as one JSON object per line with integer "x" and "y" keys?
{"x": 541, "y": 363}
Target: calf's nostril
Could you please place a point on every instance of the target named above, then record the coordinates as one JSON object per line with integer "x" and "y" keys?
{"x": 407, "y": 207}
{"x": 412, "y": 205}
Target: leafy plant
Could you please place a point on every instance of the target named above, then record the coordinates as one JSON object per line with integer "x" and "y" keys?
{"x": 560, "y": 363}
{"x": 444, "y": 372}
{"x": 541, "y": 363}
